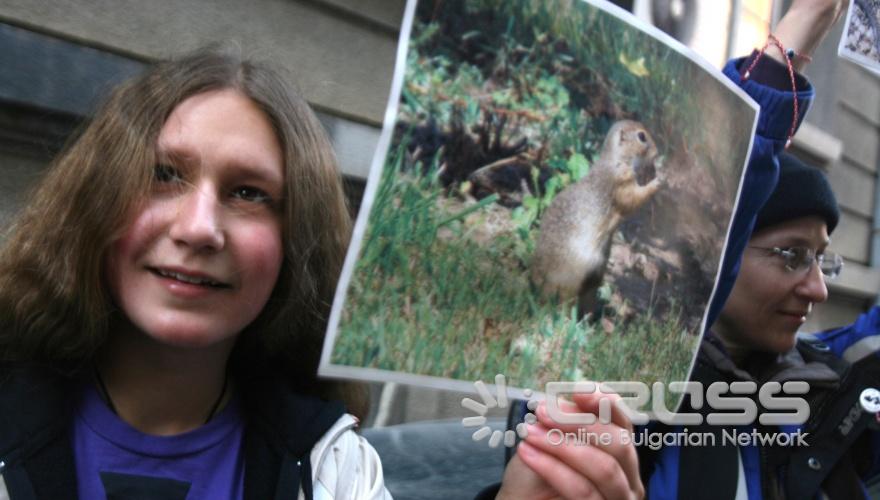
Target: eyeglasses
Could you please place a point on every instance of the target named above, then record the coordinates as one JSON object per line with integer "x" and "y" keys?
{"x": 800, "y": 259}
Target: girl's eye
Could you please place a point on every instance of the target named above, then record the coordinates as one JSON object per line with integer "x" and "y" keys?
{"x": 166, "y": 173}
{"x": 252, "y": 194}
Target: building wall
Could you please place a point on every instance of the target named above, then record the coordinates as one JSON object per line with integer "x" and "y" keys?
{"x": 19, "y": 169}
{"x": 340, "y": 53}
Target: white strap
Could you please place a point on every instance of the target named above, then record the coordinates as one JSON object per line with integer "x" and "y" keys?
{"x": 742, "y": 491}
{"x": 4, "y": 493}
{"x": 345, "y": 466}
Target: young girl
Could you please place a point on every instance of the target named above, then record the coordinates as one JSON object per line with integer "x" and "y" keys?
{"x": 163, "y": 299}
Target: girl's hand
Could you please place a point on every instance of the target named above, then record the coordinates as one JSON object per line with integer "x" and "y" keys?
{"x": 595, "y": 465}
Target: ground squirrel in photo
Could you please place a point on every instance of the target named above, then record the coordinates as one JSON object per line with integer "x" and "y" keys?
{"x": 576, "y": 230}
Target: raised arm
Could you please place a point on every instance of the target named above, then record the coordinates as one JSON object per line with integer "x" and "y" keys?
{"x": 802, "y": 28}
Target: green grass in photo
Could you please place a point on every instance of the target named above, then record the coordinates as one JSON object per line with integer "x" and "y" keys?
{"x": 426, "y": 299}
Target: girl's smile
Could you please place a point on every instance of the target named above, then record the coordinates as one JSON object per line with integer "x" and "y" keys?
{"x": 188, "y": 283}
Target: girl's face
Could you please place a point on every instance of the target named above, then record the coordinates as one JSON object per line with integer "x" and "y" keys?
{"x": 769, "y": 302}
{"x": 201, "y": 255}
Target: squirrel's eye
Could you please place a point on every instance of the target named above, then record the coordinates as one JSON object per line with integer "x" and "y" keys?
{"x": 643, "y": 137}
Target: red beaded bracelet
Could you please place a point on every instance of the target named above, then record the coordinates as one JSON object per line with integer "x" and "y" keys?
{"x": 788, "y": 55}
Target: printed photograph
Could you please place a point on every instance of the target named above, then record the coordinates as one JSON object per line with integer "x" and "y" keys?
{"x": 551, "y": 201}
{"x": 860, "y": 41}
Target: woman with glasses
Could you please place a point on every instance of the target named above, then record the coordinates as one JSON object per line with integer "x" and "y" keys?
{"x": 784, "y": 266}
{"x": 783, "y": 273}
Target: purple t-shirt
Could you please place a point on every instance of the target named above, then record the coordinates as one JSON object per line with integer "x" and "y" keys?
{"x": 116, "y": 461}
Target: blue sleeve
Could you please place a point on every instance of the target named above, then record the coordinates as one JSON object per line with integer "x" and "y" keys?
{"x": 855, "y": 342}
{"x": 663, "y": 484}
{"x": 762, "y": 171}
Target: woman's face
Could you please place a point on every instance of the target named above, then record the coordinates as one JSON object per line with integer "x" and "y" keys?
{"x": 201, "y": 255}
{"x": 769, "y": 302}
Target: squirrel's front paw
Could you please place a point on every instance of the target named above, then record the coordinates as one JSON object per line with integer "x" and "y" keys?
{"x": 660, "y": 170}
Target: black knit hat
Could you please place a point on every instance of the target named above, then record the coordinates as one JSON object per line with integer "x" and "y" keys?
{"x": 802, "y": 190}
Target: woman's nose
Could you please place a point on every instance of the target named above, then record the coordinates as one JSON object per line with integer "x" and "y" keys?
{"x": 812, "y": 286}
{"x": 197, "y": 222}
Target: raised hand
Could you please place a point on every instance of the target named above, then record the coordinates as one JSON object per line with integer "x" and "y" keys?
{"x": 805, "y": 25}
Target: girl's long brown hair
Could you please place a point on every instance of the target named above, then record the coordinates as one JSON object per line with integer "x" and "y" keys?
{"x": 54, "y": 305}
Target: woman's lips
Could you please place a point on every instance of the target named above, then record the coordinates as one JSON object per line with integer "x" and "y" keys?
{"x": 797, "y": 317}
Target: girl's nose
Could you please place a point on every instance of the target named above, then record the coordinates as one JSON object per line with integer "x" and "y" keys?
{"x": 197, "y": 223}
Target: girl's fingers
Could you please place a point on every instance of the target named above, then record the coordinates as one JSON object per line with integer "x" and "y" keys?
{"x": 590, "y": 403}
{"x": 609, "y": 403}
{"x": 569, "y": 483}
{"x": 613, "y": 469}
{"x": 543, "y": 414}
{"x": 522, "y": 482}
{"x": 608, "y": 437}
